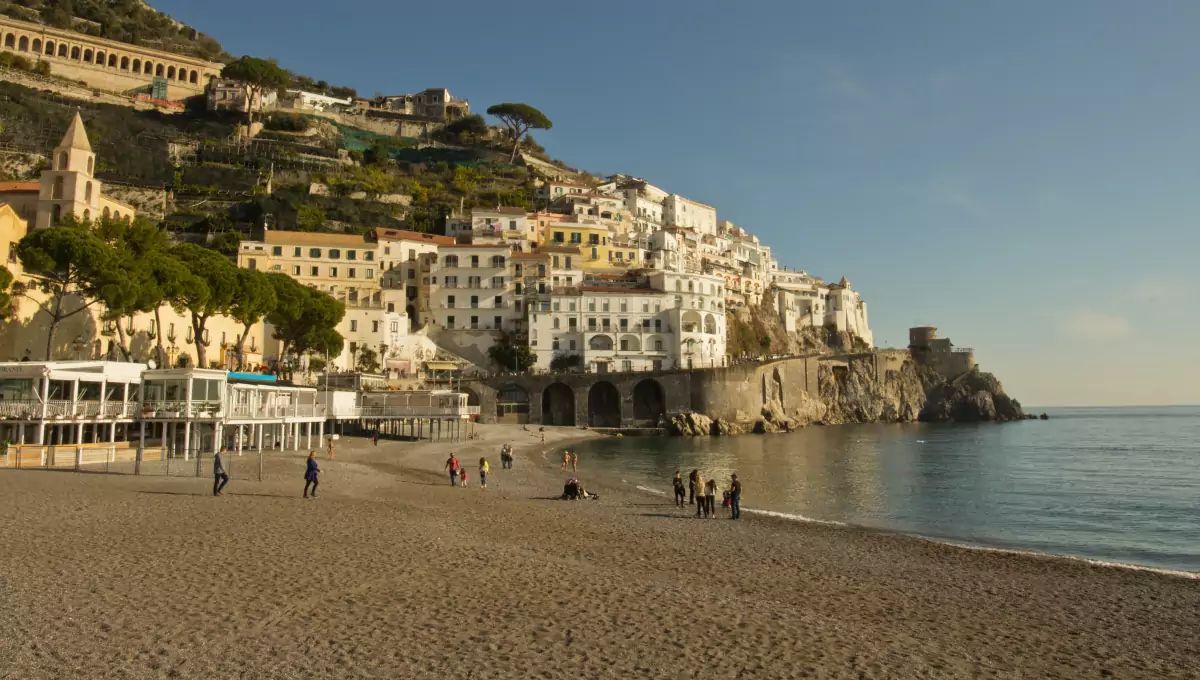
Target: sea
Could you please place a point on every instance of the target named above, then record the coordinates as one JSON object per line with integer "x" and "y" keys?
{"x": 1112, "y": 485}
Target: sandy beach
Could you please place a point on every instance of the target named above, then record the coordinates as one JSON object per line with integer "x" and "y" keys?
{"x": 393, "y": 573}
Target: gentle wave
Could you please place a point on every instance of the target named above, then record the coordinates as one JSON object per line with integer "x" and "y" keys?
{"x": 959, "y": 544}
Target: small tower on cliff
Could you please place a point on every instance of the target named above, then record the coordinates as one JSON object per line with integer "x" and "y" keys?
{"x": 68, "y": 187}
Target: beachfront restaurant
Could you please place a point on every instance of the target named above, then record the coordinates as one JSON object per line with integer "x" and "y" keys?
{"x": 64, "y": 413}
{"x": 192, "y": 410}
{"x": 433, "y": 414}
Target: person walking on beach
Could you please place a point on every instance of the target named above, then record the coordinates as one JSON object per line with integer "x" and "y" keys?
{"x": 677, "y": 484}
{"x": 710, "y": 498}
{"x": 311, "y": 471}
{"x": 574, "y": 461}
{"x": 330, "y": 447}
{"x": 220, "y": 477}
{"x": 452, "y": 465}
{"x": 701, "y": 509}
{"x": 566, "y": 459}
{"x": 462, "y": 476}
{"x": 735, "y": 498}
{"x": 375, "y": 437}
{"x": 693, "y": 480}
{"x": 484, "y": 467}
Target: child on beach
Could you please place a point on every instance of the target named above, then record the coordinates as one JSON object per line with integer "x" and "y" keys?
{"x": 725, "y": 502}
{"x": 483, "y": 472}
{"x": 462, "y": 476}
{"x": 680, "y": 494}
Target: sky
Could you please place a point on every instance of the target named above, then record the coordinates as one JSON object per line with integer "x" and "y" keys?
{"x": 1020, "y": 174}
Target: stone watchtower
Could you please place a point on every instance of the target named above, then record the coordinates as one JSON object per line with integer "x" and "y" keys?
{"x": 68, "y": 187}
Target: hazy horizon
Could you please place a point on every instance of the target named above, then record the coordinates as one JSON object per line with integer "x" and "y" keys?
{"x": 1017, "y": 174}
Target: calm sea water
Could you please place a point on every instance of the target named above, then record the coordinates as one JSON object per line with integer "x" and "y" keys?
{"x": 1112, "y": 484}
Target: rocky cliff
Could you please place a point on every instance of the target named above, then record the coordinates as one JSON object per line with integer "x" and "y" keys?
{"x": 854, "y": 394}
{"x": 857, "y": 390}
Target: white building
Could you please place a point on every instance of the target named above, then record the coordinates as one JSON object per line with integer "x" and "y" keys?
{"x": 685, "y": 213}
{"x": 223, "y": 94}
{"x": 629, "y": 326}
{"x": 470, "y": 289}
{"x": 311, "y": 101}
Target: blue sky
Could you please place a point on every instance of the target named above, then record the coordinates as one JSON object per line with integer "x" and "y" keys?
{"x": 1020, "y": 174}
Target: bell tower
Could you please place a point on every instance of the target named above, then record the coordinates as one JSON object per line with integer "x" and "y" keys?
{"x": 68, "y": 187}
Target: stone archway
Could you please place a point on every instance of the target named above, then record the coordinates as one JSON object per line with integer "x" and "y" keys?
{"x": 558, "y": 405}
{"x": 604, "y": 405}
{"x": 649, "y": 402}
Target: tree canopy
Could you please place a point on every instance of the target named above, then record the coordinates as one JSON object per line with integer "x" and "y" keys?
{"x": 257, "y": 76}
{"x": 255, "y": 299}
{"x": 519, "y": 119}
{"x": 304, "y": 319}
{"x": 6, "y": 301}
{"x": 214, "y": 291}
{"x": 69, "y": 264}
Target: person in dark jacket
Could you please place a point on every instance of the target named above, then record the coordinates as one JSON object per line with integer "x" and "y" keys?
{"x": 311, "y": 471}
{"x": 220, "y": 477}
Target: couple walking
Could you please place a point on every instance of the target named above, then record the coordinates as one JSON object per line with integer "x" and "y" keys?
{"x": 311, "y": 473}
{"x": 703, "y": 494}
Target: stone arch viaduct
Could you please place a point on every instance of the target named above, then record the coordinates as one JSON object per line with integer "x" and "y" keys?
{"x": 639, "y": 399}
{"x": 105, "y": 64}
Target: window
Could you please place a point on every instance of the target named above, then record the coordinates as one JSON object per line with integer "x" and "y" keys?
{"x": 497, "y": 303}
{"x": 353, "y": 325}
{"x": 314, "y": 252}
{"x": 314, "y": 271}
{"x": 658, "y": 345}
{"x": 554, "y": 345}
{"x": 252, "y": 263}
{"x": 351, "y": 254}
{"x": 371, "y": 274}
{"x": 496, "y": 322}
{"x": 395, "y": 326}
{"x": 512, "y": 224}
{"x": 450, "y": 301}
{"x": 350, "y": 273}
{"x": 568, "y": 261}
{"x": 449, "y": 322}
{"x": 555, "y": 324}
{"x": 335, "y": 254}
{"x": 333, "y": 271}
{"x": 296, "y": 270}
{"x": 474, "y": 322}
{"x": 374, "y": 326}
{"x": 558, "y": 237}
{"x": 474, "y": 261}
{"x": 572, "y": 345}
{"x": 593, "y": 239}
{"x": 626, "y": 365}
{"x": 296, "y": 252}
{"x": 277, "y": 250}
{"x": 451, "y": 261}
{"x": 658, "y": 325}
{"x": 555, "y": 262}
{"x": 594, "y": 254}
{"x": 576, "y": 237}
{"x": 591, "y": 323}
{"x": 474, "y": 301}
{"x": 369, "y": 256}
{"x": 645, "y": 307}
{"x": 624, "y": 324}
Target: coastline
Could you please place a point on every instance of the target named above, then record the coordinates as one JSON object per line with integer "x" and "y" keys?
{"x": 392, "y": 573}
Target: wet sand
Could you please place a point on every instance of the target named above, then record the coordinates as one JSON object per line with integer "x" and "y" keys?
{"x": 393, "y": 573}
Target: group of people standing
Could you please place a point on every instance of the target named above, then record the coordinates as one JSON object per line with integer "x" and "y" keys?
{"x": 703, "y": 494}
{"x": 458, "y": 471}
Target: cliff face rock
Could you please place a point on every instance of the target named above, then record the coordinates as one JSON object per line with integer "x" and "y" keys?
{"x": 690, "y": 425}
{"x": 852, "y": 394}
{"x": 972, "y": 397}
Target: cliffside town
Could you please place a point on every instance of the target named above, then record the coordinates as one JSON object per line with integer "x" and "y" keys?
{"x": 593, "y": 275}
